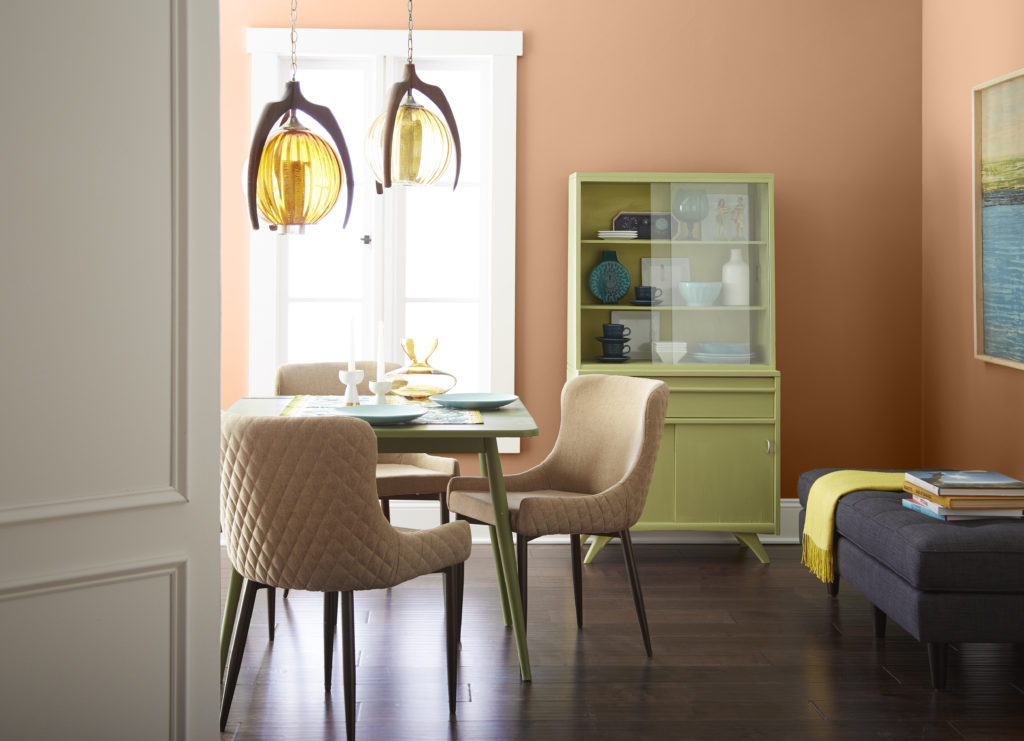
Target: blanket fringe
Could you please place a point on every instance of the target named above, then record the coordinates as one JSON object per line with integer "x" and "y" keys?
{"x": 817, "y": 559}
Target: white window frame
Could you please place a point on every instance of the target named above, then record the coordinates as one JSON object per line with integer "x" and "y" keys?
{"x": 270, "y": 48}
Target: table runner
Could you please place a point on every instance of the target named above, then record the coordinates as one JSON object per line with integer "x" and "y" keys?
{"x": 328, "y": 406}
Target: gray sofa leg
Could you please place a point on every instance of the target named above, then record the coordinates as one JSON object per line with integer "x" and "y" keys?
{"x": 832, "y": 587}
{"x": 937, "y": 653}
{"x": 879, "y": 620}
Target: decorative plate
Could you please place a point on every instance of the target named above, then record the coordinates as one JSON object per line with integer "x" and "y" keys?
{"x": 382, "y": 414}
{"x": 474, "y": 401}
{"x": 609, "y": 281}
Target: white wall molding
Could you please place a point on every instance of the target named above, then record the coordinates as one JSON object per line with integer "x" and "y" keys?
{"x": 170, "y": 571}
{"x": 423, "y": 515}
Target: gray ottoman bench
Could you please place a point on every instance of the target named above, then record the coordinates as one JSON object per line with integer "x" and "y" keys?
{"x": 942, "y": 582}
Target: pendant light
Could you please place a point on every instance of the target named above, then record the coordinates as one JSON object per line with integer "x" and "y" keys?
{"x": 295, "y": 177}
{"x": 409, "y": 144}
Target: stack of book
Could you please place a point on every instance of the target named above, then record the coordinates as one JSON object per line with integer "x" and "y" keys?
{"x": 963, "y": 495}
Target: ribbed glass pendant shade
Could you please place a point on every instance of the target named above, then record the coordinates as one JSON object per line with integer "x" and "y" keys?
{"x": 299, "y": 177}
{"x": 420, "y": 148}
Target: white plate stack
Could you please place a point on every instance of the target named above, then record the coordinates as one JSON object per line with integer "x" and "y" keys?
{"x": 617, "y": 234}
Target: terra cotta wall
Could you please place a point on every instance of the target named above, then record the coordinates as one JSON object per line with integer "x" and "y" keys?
{"x": 825, "y": 95}
{"x": 973, "y": 412}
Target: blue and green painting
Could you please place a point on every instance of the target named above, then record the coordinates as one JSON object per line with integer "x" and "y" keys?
{"x": 1002, "y": 218}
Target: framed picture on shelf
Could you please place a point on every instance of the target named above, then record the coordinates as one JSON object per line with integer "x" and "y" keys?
{"x": 642, "y": 330}
{"x": 999, "y": 220}
{"x": 664, "y": 273}
{"x": 728, "y": 218}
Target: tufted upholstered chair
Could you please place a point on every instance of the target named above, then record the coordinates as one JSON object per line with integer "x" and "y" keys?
{"x": 299, "y": 510}
{"x": 594, "y": 481}
{"x": 399, "y": 475}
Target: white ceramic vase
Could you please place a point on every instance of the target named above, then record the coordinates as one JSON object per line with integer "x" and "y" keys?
{"x": 736, "y": 280}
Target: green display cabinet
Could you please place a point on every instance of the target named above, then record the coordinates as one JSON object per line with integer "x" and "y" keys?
{"x": 704, "y": 245}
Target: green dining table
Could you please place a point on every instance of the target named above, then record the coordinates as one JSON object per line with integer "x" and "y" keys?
{"x": 512, "y": 420}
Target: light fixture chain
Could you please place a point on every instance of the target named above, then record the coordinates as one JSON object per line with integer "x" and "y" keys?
{"x": 410, "y": 32}
{"x": 295, "y": 35}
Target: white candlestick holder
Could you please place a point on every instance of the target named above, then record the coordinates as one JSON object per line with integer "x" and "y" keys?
{"x": 380, "y": 389}
{"x": 351, "y": 379}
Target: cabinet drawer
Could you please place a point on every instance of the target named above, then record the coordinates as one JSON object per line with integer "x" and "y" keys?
{"x": 721, "y": 397}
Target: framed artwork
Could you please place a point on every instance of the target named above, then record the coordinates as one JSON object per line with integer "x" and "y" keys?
{"x": 641, "y": 331}
{"x": 999, "y": 220}
{"x": 728, "y": 218}
{"x": 664, "y": 273}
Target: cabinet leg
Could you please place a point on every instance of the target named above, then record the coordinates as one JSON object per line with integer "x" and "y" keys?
{"x": 600, "y": 541}
{"x": 751, "y": 541}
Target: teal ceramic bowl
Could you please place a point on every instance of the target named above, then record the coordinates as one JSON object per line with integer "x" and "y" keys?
{"x": 696, "y": 293}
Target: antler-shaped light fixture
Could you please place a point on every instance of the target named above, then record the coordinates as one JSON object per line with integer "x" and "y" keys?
{"x": 409, "y": 144}
{"x": 295, "y": 178}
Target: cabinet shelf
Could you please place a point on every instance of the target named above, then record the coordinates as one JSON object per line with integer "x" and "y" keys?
{"x": 718, "y": 465}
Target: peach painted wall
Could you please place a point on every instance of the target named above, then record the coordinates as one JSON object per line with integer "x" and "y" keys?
{"x": 972, "y": 410}
{"x": 824, "y": 95}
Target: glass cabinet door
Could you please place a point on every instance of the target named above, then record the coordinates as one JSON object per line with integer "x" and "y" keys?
{"x": 683, "y": 265}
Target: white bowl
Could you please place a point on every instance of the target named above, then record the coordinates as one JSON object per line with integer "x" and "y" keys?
{"x": 696, "y": 293}
{"x": 669, "y": 355}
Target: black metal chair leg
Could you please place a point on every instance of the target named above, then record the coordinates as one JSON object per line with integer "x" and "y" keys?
{"x": 330, "y": 620}
{"x": 577, "y": 577}
{"x": 521, "y": 542}
{"x": 445, "y": 514}
{"x": 460, "y": 588}
{"x": 238, "y": 647}
{"x": 385, "y": 505}
{"x": 634, "y": 581}
{"x": 451, "y": 599}
{"x": 878, "y": 617}
{"x": 271, "y": 614}
{"x": 348, "y": 651}
{"x": 937, "y": 656}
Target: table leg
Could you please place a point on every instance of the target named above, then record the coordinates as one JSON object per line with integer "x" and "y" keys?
{"x": 502, "y": 592}
{"x": 503, "y": 531}
{"x": 230, "y": 608}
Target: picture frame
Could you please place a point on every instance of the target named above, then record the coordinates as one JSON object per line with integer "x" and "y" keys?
{"x": 642, "y": 331}
{"x": 728, "y": 218}
{"x": 664, "y": 273}
{"x": 999, "y": 220}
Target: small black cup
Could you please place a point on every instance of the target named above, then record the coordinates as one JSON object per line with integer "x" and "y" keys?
{"x": 616, "y": 331}
{"x": 648, "y": 293}
{"x": 614, "y": 348}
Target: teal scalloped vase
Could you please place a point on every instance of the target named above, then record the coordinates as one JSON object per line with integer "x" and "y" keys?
{"x": 609, "y": 281}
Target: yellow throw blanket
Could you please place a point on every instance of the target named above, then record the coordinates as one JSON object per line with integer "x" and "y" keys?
{"x": 820, "y": 519}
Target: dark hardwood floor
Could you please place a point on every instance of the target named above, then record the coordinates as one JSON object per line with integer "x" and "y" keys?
{"x": 741, "y": 651}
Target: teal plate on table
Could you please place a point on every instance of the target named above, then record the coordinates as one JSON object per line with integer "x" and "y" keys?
{"x": 474, "y": 401}
{"x": 382, "y": 414}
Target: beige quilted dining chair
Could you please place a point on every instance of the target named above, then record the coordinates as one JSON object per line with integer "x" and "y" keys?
{"x": 594, "y": 481}
{"x": 299, "y": 510}
{"x": 414, "y": 476}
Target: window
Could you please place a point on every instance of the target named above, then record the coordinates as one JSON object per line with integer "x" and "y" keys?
{"x": 419, "y": 262}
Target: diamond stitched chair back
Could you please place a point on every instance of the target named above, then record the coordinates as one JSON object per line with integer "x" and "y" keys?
{"x": 414, "y": 476}
{"x": 594, "y": 481}
{"x": 299, "y": 510}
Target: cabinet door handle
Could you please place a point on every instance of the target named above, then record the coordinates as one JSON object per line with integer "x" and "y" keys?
{"x": 768, "y": 446}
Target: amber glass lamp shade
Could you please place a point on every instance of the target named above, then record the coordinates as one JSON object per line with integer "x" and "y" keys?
{"x": 420, "y": 148}
{"x": 299, "y": 177}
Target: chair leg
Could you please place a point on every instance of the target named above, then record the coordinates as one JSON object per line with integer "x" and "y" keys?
{"x": 451, "y": 621}
{"x": 330, "y": 621}
{"x": 238, "y": 648}
{"x": 878, "y": 618}
{"x": 460, "y": 588}
{"x": 348, "y": 651}
{"x": 634, "y": 582}
{"x": 575, "y": 546}
{"x": 442, "y": 498}
{"x": 271, "y": 612}
{"x": 385, "y": 505}
{"x": 521, "y": 541}
{"x": 938, "y": 652}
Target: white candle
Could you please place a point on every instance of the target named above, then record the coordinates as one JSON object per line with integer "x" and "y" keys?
{"x": 380, "y": 351}
{"x": 351, "y": 345}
